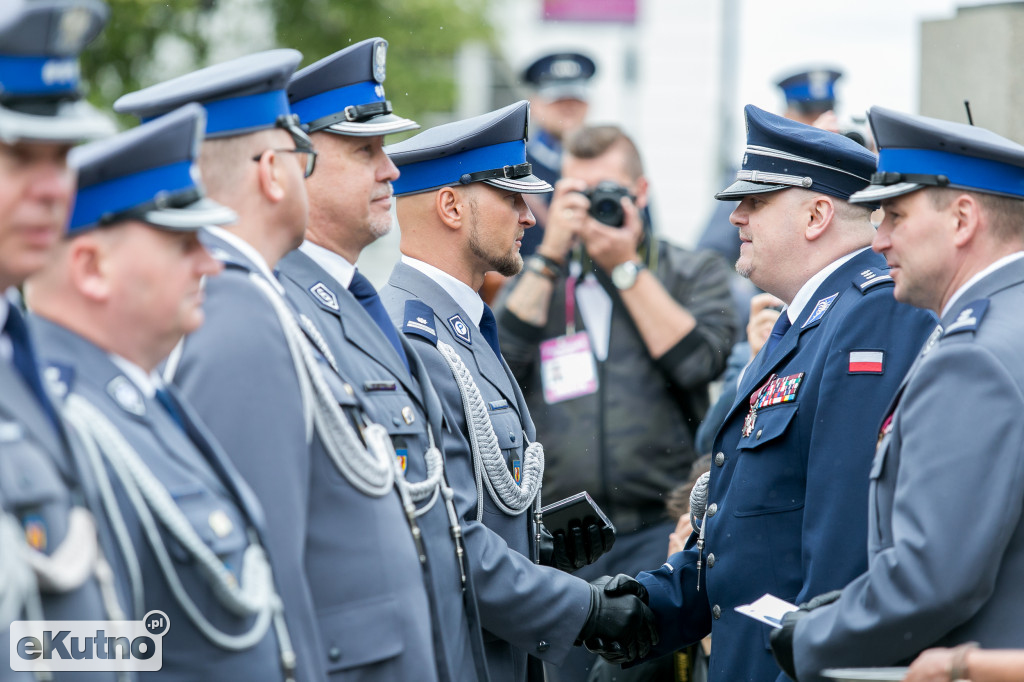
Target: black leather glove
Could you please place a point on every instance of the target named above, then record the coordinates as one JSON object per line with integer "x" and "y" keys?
{"x": 583, "y": 545}
{"x": 782, "y": 638}
{"x": 620, "y": 626}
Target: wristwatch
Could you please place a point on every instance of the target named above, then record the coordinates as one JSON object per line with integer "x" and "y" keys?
{"x": 624, "y": 274}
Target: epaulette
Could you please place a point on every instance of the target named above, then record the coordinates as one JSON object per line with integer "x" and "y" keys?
{"x": 968, "y": 319}
{"x": 419, "y": 320}
{"x": 869, "y": 278}
{"x": 225, "y": 257}
{"x": 59, "y": 378}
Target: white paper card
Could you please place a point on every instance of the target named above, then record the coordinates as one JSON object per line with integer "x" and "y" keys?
{"x": 768, "y": 610}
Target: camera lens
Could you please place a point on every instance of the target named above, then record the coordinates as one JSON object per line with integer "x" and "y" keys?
{"x": 607, "y": 211}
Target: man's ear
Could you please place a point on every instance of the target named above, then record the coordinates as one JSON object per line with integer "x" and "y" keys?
{"x": 967, "y": 213}
{"x": 450, "y": 206}
{"x": 820, "y": 213}
{"x": 270, "y": 175}
{"x": 641, "y": 192}
{"x": 89, "y": 266}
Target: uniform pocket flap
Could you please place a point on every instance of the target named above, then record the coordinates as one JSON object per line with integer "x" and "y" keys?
{"x": 769, "y": 424}
{"x": 362, "y": 633}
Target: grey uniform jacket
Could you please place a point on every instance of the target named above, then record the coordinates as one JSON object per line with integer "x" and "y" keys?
{"x": 207, "y": 489}
{"x": 946, "y": 510}
{"x": 345, "y": 563}
{"x": 403, "y": 404}
{"x": 524, "y": 608}
{"x": 40, "y": 481}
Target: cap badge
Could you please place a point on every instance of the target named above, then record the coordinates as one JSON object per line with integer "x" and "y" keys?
{"x": 380, "y": 53}
{"x": 565, "y": 68}
{"x": 74, "y": 25}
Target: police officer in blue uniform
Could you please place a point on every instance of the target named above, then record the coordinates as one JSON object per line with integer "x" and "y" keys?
{"x": 341, "y": 100}
{"x": 462, "y": 213}
{"x": 341, "y": 544}
{"x": 788, "y": 485}
{"x": 558, "y": 106}
{"x": 107, "y": 309}
{"x": 946, "y": 539}
{"x": 51, "y": 558}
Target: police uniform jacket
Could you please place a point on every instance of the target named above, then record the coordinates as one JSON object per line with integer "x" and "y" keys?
{"x": 524, "y": 608}
{"x": 630, "y": 442}
{"x": 205, "y": 486}
{"x": 345, "y": 563}
{"x": 407, "y": 407}
{"x": 788, "y": 491}
{"x": 946, "y": 532}
{"x": 41, "y": 479}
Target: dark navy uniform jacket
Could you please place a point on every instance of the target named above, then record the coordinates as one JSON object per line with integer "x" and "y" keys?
{"x": 788, "y": 493}
{"x": 207, "y": 489}
{"x": 403, "y": 404}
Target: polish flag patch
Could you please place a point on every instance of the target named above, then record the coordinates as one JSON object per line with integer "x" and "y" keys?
{"x": 866, "y": 361}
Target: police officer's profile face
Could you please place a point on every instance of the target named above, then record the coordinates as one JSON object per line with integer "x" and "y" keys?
{"x": 771, "y": 239}
{"x": 916, "y": 239}
{"x": 36, "y": 187}
{"x": 154, "y": 279}
{"x": 497, "y": 220}
{"x": 350, "y": 194}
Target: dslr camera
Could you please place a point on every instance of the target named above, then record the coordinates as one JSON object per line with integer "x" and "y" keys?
{"x": 605, "y": 202}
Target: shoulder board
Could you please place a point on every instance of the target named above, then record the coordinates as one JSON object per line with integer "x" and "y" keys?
{"x": 869, "y": 278}
{"x": 968, "y": 319}
{"x": 59, "y": 378}
{"x": 226, "y": 258}
{"x": 419, "y": 320}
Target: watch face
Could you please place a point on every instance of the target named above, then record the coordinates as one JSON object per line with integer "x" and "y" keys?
{"x": 624, "y": 275}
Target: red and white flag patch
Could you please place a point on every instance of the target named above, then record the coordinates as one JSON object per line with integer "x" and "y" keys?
{"x": 866, "y": 361}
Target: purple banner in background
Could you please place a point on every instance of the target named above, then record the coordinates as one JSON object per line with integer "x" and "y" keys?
{"x": 623, "y": 11}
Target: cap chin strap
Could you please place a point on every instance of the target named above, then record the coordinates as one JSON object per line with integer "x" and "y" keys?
{"x": 891, "y": 178}
{"x": 520, "y": 170}
{"x": 488, "y": 462}
{"x": 353, "y": 113}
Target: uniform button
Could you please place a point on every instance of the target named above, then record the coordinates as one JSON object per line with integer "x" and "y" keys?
{"x": 348, "y": 389}
{"x": 711, "y": 560}
{"x": 716, "y": 611}
{"x": 334, "y": 653}
{"x": 719, "y": 459}
{"x": 396, "y": 421}
{"x": 543, "y": 646}
{"x": 512, "y": 436}
{"x": 757, "y": 436}
{"x": 712, "y": 509}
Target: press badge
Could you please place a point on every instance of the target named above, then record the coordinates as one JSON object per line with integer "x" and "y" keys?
{"x": 567, "y": 368}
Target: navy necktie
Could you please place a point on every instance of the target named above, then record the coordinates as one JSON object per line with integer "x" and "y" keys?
{"x": 163, "y": 396}
{"x": 782, "y": 326}
{"x": 489, "y": 328}
{"x": 24, "y": 360}
{"x": 368, "y": 298}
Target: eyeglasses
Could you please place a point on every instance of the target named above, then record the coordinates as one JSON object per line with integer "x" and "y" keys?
{"x": 303, "y": 145}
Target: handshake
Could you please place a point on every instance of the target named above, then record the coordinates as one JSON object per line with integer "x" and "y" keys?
{"x": 620, "y": 626}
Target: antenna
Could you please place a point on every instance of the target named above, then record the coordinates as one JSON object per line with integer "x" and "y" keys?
{"x": 967, "y": 106}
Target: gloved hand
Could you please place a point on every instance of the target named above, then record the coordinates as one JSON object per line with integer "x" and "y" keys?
{"x": 620, "y": 626}
{"x": 782, "y": 638}
{"x": 585, "y": 543}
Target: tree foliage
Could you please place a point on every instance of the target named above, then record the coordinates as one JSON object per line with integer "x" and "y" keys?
{"x": 424, "y": 36}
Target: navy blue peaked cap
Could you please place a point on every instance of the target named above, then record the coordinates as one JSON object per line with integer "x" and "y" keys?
{"x": 40, "y": 90}
{"x": 781, "y": 153}
{"x": 241, "y": 96}
{"x": 563, "y": 75}
{"x": 917, "y": 151}
{"x": 147, "y": 173}
{"x": 344, "y": 93}
{"x": 815, "y": 87}
{"x": 490, "y": 148}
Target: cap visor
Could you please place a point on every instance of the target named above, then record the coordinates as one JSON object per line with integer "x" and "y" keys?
{"x": 872, "y": 194}
{"x": 554, "y": 92}
{"x": 528, "y": 184}
{"x": 385, "y": 124}
{"x": 73, "y": 122}
{"x": 742, "y": 188}
{"x": 192, "y": 217}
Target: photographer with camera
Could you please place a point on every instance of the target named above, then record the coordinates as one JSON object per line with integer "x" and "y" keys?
{"x": 614, "y": 335}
